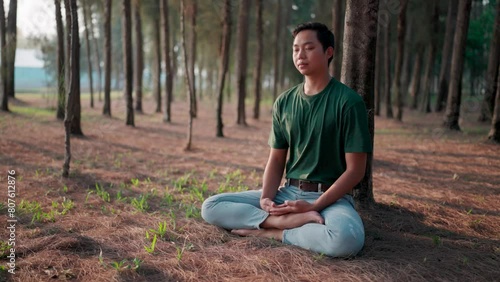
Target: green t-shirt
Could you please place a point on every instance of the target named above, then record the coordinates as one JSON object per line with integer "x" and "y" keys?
{"x": 319, "y": 130}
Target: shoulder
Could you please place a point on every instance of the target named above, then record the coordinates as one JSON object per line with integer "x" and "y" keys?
{"x": 288, "y": 96}
{"x": 346, "y": 93}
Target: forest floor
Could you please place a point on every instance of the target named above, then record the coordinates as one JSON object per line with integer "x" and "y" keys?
{"x": 437, "y": 216}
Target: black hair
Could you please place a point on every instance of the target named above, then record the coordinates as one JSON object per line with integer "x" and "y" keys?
{"x": 324, "y": 34}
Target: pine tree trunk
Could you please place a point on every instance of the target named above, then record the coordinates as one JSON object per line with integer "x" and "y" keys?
{"x": 425, "y": 106}
{"x": 11, "y": 48}
{"x": 61, "y": 91}
{"x": 416, "y": 77}
{"x": 378, "y": 68}
{"x": 157, "y": 61}
{"x": 168, "y": 63}
{"x": 358, "y": 66}
{"x": 258, "y": 62}
{"x": 491, "y": 73}
{"x": 407, "y": 67}
{"x": 336, "y": 63}
{"x": 277, "y": 48}
{"x": 96, "y": 57}
{"x": 241, "y": 64}
{"x": 3, "y": 62}
{"x": 285, "y": 41}
{"x": 398, "y": 90}
{"x": 192, "y": 57}
{"x": 223, "y": 66}
{"x": 457, "y": 64}
{"x": 127, "y": 59}
{"x": 444, "y": 73}
{"x": 89, "y": 56}
{"x": 494, "y": 134}
{"x": 139, "y": 56}
{"x": 107, "y": 58}
{"x": 387, "y": 69}
{"x": 187, "y": 76}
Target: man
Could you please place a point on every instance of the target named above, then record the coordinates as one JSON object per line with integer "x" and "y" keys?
{"x": 323, "y": 125}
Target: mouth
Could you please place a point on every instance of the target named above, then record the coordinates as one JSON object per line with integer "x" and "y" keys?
{"x": 301, "y": 65}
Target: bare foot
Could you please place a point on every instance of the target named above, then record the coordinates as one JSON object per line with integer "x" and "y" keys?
{"x": 275, "y": 234}
{"x": 292, "y": 220}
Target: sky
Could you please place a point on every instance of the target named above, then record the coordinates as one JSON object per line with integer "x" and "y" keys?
{"x": 35, "y": 17}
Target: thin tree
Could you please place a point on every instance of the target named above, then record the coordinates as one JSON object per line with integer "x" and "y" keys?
{"x": 285, "y": 41}
{"x": 444, "y": 73}
{"x": 11, "y": 47}
{"x": 89, "y": 55}
{"x": 3, "y": 63}
{"x": 107, "y": 58}
{"x": 223, "y": 65}
{"x": 457, "y": 64}
{"x": 192, "y": 11}
{"x": 258, "y": 62}
{"x": 277, "y": 47}
{"x": 188, "y": 78}
{"x": 74, "y": 85}
{"x": 378, "y": 66}
{"x": 168, "y": 63}
{"x": 494, "y": 134}
{"x": 491, "y": 73}
{"x": 127, "y": 59}
{"x": 139, "y": 56}
{"x": 336, "y": 64}
{"x": 358, "y": 66}
{"x": 61, "y": 98}
{"x": 156, "y": 58}
{"x": 241, "y": 60}
{"x": 425, "y": 106}
{"x": 97, "y": 56}
{"x": 416, "y": 76}
{"x": 387, "y": 69}
{"x": 398, "y": 91}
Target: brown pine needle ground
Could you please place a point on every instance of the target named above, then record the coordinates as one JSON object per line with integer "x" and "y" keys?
{"x": 437, "y": 216}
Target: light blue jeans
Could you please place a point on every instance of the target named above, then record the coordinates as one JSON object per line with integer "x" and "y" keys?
{"x": 342, "y": 235}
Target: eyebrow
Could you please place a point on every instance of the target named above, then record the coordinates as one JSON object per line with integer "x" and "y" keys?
{"x": 305, "y": 43}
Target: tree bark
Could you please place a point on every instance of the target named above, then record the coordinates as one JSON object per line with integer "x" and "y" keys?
{"x": 89, "y": 55}
{"x": 387, "y": 69}
{"x": 285, "y": 41}
{"x": 425, "y": 106}
{"x": 157, "y": 60}
{"x": 3, "y": 63}
{"x": 416, "y": 77}
{"x": 258, "y": 62}
{"x": 168, "y": 63}
{"x": 127, "y": 59}
{"x": 192, "y": 56}
{"x": 96, "y": 57}
{"x": 358, "y": 66}
{"x": 187, "y": 76}
{"x": 457, "y": 64}
{"x": 107, "y": 58}
{"x": 336, "y": 64}
{"x": 494, "y": 134}
{"x": 277, "y": 48}
{"x": 139, "y": 56}
{"x": 378, "y": 68}
{"x": 61, "y": 98}
{"x": 491, "y": 73}
{"x": 398, "y": 90}
{"x": 241, "y": 63}
{"x": 444, "y": 73}
{"x": 11, "y": 48}
{"x": 223, "y": 65}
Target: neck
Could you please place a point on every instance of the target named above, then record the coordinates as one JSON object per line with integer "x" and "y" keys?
{"x": 315, "y": 84}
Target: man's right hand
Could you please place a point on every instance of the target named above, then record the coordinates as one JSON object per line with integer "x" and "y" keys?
{"x": 267, "y": 204}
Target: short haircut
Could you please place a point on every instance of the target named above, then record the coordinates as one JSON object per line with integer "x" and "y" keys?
{"x": 324, "y": 34}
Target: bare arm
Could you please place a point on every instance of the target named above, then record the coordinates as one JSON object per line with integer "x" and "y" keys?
{"x": 272, "y": 176}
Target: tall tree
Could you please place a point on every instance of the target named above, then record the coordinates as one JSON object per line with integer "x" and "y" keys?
{"x": 89, "y": 55}
{"x": 139, "y": 56}
{"x": 192, "y": 11}
{"x": 11, "y": 41}
{"x": 336, "y": 63}
{"x": 156, "y": 58}
{"x": 425, "y": 106}
{"x": 398, "y": 90}
{"x": 285, "y": 41}
{"x": 188, "y": 77}
{"x": 258, "y": 62}
{"x": 127, "y": 59}
{"x": 61, "y": 99}
{"x": 223, "y": 65}
{"x": 494, "y": 133}
{"x": 416, "y": 77}
{"x": 73, "y": 89}
{"x": 457, "y": 64}
{"x": 168, "y": 63}
{"x": 358, "y": 66}
{"x": 444, "y": 73}
{"x": 97, "y": 56}
{"x": 387, "y": 69}
{"x": 491, "y": 73}
{"x": 241, "y": 57}
{"x": 378, "y": 66}
{"x": 107, "y": 58}
{"x": 277, "y": 47}
{"x": 3, "y": 63}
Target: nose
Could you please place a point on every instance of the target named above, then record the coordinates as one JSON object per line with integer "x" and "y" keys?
{"x": 301, "y": 54}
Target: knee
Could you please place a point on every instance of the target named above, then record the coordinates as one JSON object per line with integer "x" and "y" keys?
{"x": 344, "y": 243}
{"x": 207, "y": 208}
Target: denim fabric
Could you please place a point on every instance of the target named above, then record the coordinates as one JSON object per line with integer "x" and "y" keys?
{"x": 342, "y": 235}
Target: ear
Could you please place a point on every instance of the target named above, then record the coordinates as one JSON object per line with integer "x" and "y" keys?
{"x": 329, "y": 52}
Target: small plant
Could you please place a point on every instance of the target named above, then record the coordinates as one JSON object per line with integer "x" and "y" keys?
{"x": 436, "y": 240}
{"x": 67, "y": 205}
{"x": 135, "y": 181}
{"x": 192, "y": 211}
{"x": 101, "y": 259}
{"x": 161, "y": 231}
{"x": 180, "y": 250}
{"x": 65, "y": 189}
{"x": 140, "y": 203}
{"x": 119, "y": 266}
{"x": 137, "y": 263}
{"x": 119, "y": 196}
{"x": 181, "y": 182}
{"x": 151, "y": 248}
{"x": 168, "y": 199}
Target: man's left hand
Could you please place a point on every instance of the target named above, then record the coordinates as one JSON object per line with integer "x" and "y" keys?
{"x": 299, "y": 206}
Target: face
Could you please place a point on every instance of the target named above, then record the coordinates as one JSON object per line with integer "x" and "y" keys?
{"x": 308, "y": 55}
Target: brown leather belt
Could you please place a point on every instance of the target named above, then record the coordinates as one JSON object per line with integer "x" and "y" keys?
{"x": 308, "y": 186}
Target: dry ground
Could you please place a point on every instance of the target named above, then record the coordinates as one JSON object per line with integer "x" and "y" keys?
{"x": 437, "y": 216}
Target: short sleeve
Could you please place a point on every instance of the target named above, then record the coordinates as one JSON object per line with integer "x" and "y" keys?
{"x": 277, "y": 138}
{"x": 356, "y": 133}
